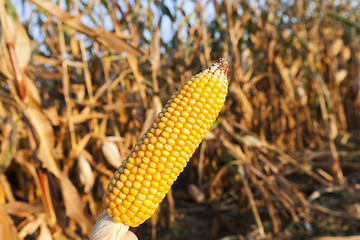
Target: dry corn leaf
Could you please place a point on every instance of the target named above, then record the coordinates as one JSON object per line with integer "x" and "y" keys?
{"x": 111, "y": 153}
{"x": 86, "y": 175}
{"x": 41, "y": 60}
{"x": 42, "y": 184}
{"x": 233, "y": 149}
{"x": 134, "y": 65}
{"x": 311, "y": 58}
{"x": 295, "y": 67}
{"x": 3, "y": 111}
{"x": 85, "y": 116}
{"x": 247, "y": 58}
{"x": 248, "y": 85}
{"x": 32, "y": 93}
{"x": 23, "y": 208}
{"x": 337, "y": 238}
{"x": 246, "y": 105}
{"x": 271, "y": 50}
{"x": 45, "y": 139}
{"x": 336, "y": 47}
{"x": 108, "y": 39}
{"x": 7, "y": 228}
{"x": 302, "y": 95}
{"x": 285, "y": 75}
{"x": 32, "y": 226}
{"x": 7, "y": 25}
{"x": 248, "y": 75}
{"x": 74, "y": 45}
{"x": 46, "y": 196}
{"x": 6, "y": 191}
{"x": 346, "y": 54}
{"x": 7, "y": 145}
{"x": 82, "y": 144}
{"x": 255, "y": 39}
{"x": 79, "y": 91}
{"x": 5, "y": 67}
{"x": 233, "y": 237}
{"x": 195, "y": 193}
{"x": 333, "y": 127}
{"x": 45, "y": 233}
{"x": 151, "y": 115}
{"x": 252, "y": 141}
{"x": 52, "y": 114}
{"x": 340, "y": 76}
{"x": 8, "y": 28}
{"x": 22, "y": 45}
{"x": 74, "y": 206}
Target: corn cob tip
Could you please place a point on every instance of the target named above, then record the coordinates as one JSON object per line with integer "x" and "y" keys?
{"x": 221, "y": 69}
{"x": 223, "y": 65}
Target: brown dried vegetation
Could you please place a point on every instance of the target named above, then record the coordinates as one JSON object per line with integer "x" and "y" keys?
{"x": 282, "y": 160}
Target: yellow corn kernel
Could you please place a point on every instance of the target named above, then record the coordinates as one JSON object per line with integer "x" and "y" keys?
{"x": 146, "y": 175}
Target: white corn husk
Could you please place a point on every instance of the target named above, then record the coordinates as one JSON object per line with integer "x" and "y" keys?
{"x": 111, "y": 153}
{"x": 106, "y": 228}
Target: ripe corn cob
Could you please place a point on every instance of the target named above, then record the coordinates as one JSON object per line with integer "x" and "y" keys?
{"x": 146, "y": 175}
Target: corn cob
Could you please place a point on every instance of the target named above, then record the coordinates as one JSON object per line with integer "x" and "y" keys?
{"x": 145, "y": 176}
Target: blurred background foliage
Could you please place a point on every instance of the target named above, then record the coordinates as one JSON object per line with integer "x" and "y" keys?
{"x": 80, "y": 81}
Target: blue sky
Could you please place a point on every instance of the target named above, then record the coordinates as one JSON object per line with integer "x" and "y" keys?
{"x": 167, "y": 29}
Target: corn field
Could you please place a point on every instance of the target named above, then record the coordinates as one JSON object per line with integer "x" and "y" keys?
{"x": 81, "y": 81}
